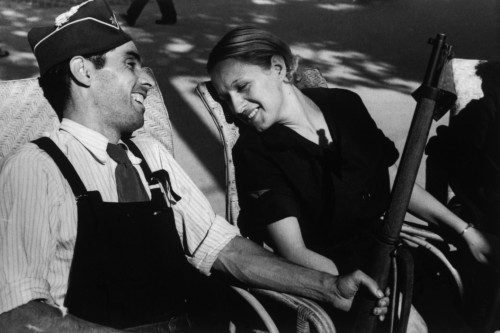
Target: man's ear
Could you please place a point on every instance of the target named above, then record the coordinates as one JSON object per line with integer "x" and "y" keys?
{"x": 278, "y": 66}
{"x": 81, "y": 70}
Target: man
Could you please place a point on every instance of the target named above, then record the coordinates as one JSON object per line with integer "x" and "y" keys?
{"x": 76, "y": 238}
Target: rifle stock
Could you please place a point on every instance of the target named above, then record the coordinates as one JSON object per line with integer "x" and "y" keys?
{"x": 379, "y": 266}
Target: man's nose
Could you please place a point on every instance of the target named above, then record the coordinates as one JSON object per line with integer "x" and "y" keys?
{"x": 146, "y": 79}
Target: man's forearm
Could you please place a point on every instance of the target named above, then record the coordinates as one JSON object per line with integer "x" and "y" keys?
{"x": 255, "y": 266}
{"x": 35, "y": 317}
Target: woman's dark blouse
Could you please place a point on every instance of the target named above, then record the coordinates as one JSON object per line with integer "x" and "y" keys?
{"x": 335, "y": 191}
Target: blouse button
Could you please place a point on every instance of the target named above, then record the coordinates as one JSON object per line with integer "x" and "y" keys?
{"x": 366, "y": 196}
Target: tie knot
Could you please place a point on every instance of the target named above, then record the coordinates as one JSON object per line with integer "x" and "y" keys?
{"x": 117, "y": 153}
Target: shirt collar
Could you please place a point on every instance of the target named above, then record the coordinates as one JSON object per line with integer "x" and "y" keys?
{"x": 93, "y": 141}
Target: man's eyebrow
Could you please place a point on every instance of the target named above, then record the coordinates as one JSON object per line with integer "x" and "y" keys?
{"x": 134, "y": 55}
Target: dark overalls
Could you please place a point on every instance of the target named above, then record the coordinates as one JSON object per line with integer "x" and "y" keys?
{"x": 128, "y": 265}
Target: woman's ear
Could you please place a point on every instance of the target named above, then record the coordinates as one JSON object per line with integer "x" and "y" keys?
{"x": 80, "y": 69}
{"x": 278, "y": 66}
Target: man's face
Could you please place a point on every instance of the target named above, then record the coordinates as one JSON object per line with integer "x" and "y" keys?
{"x": 119, "y": 90}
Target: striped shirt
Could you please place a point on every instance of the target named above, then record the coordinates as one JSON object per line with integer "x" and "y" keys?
{"x": 38, "y": 212}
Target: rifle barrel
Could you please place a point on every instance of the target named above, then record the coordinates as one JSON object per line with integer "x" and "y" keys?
{"x": 413, "y": 151}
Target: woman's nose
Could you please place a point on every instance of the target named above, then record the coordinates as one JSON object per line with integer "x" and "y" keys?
{"x": 236, "y": 104}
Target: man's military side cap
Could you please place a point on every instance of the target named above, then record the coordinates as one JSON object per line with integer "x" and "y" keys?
{"x": 86, "y": 29}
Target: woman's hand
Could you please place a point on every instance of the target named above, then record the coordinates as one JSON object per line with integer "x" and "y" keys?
{"x": 348, "y": 285}
{"x": 484, "y": 247}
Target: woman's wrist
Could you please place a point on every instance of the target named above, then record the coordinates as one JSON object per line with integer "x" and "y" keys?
{"x": 467, "y": 228}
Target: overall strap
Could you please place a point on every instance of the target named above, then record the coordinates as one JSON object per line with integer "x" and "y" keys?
{"x": 159, "y": 176}
{"x": 64, "y": 165}
{"x": 144, "y": 165}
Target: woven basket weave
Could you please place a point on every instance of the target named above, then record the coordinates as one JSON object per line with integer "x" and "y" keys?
{"x": 25, "y": 115}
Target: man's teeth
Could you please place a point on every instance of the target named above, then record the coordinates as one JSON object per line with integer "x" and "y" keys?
{"x": 138, "y": 98}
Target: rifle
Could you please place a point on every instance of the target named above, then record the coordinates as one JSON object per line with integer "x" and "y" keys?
{"x": 432, "y": 102}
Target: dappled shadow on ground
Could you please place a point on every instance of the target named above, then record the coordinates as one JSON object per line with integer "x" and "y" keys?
{"x": 367, "y": 43}
{"x": 372, "y": 44}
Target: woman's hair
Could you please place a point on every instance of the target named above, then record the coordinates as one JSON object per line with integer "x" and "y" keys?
{"x": 56, "y": 82}
{"x": 254, "y": 46}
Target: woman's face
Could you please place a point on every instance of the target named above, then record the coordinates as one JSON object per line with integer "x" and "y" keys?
{"x": 254, "y": 94}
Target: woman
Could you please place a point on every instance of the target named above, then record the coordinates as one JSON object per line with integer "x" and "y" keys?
{"x": 312, "y": 175}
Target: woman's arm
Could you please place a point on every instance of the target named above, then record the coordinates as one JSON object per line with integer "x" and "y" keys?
{"x": 287, "y": 241}
{"x": 422, "y": 204}
{"x": 483, "y": 247}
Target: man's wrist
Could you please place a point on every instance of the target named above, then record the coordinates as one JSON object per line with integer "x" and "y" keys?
{"x": 330, "y": 288}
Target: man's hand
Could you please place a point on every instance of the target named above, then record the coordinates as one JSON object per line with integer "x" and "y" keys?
{"x": 252, "y": 265}
{"x": 348, "y": 285}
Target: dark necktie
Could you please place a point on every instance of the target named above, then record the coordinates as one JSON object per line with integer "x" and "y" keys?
{"x": 128, "y": 182}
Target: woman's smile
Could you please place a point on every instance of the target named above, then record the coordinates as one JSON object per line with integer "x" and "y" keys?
{"x": 249, "y": 116}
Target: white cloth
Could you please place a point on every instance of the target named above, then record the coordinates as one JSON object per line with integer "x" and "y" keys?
{"x": 38, "y": 214}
